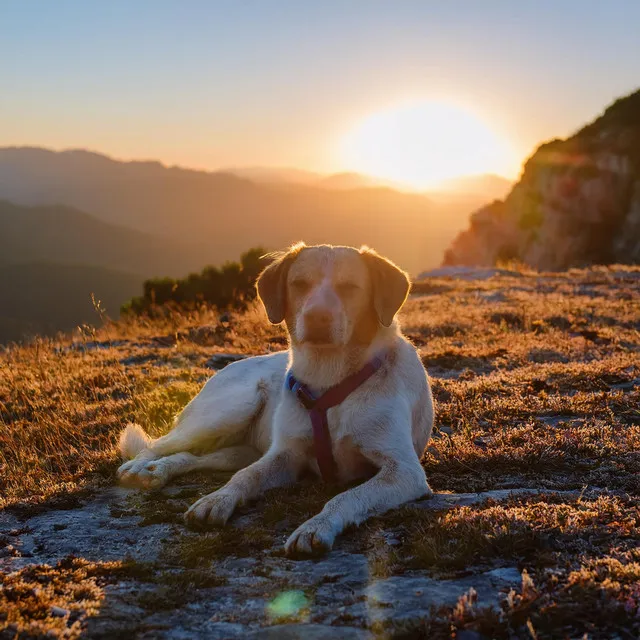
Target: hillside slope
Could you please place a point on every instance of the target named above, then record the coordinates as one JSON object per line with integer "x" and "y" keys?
{"x": 577, "y": 202}
{"x": 229, "y": 213}
{"x": 66, "y": 235}
{"x": 44, "y": 298}
{"x": 534, "y": 528}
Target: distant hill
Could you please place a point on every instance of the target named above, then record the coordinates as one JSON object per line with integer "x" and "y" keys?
{"x": 286, "y": 176}
{"x": 229, "y": 214}
{"x": 577, "y": 202}
{"x": 44, "y": 298}
{"x": 276, "y": 175}
{"x": 483, "y": 186}
{"x": 66, "y": 235}
{"x": 350, "y": 180}
{"x": 487, "y": 186}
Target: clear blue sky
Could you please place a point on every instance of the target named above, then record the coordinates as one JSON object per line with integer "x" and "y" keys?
{"x": 247, "y": 82}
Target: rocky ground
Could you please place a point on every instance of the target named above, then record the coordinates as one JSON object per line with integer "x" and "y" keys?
{"x": 533, "y": 532}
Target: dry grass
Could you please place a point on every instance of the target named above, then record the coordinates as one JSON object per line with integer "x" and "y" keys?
{"x": 537, "y": 382}
{"x": 44, "y": 601}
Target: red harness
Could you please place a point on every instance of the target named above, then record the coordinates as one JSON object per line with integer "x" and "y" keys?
{"x": 318, "y": 407}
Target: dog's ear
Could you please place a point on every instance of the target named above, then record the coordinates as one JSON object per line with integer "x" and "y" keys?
{"x": 390, "y": 285}
{"x": 272, "y": 283}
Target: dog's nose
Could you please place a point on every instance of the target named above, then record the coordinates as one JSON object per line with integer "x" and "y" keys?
{"x": 318, "y": 318}
{"x": 318, "y": 325}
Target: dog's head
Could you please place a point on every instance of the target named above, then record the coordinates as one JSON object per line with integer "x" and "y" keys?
{"x": 332, "y": 296}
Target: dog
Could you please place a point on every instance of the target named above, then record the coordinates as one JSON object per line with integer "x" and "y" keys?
{"x": 267, "y": 417}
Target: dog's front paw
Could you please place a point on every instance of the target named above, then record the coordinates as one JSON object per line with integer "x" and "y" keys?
{"x": 313, "y": 536}
{"x": 143, "y": 474}
{"x": 213, "y": 509}
{"x": 128, "y": 474}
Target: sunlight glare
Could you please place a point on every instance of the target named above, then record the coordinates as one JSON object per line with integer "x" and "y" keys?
{"x": 423, "y": 143}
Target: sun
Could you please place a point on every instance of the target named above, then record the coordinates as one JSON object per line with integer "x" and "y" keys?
{"x": 420, "y": 144}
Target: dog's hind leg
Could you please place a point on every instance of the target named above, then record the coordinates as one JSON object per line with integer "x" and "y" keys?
{"x": 156, "y": 473}
{"x": 218, "y": 417}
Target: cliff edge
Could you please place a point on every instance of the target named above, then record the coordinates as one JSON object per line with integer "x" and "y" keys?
{"x": 577, "y": 202}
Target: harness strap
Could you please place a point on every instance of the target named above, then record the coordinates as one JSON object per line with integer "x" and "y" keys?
{"x": 318, "y": 407}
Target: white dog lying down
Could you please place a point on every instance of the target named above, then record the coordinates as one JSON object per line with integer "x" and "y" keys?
{"x": 339, "y": 305}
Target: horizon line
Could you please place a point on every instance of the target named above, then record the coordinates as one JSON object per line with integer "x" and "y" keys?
{"x": 231, "y": 170}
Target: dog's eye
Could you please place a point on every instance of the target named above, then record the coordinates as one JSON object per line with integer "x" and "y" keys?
{"x": 347, "y": 288}
{"x": 300, "y": 285}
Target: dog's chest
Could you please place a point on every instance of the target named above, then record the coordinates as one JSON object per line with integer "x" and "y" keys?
{"x": 342, "y": 420}
{"x": 350, "y": 463}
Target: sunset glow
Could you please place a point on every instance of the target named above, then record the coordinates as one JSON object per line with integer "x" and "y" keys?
{"x": 422, "y": 143}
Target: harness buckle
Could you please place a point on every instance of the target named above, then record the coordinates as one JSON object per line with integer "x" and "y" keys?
{"x": 305, "y": 397}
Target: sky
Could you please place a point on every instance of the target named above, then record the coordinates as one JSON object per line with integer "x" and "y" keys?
{"x": 214, "y": 84}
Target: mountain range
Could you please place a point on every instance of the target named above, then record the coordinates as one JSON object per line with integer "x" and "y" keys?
{"x": 224, "y": 214}
{"x": 132, "y": 220}
{"x": 485, "y": 186}
{"x": 75, "y": 223}
{"x": 65, "y": 235}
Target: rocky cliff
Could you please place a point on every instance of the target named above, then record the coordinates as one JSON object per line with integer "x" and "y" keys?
{"x": 577, "y": 201}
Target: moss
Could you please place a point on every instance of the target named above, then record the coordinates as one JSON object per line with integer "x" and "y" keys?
{"x": 293, "y": 505}
{"x": 177, "y": 588}
{"x": 192, "y": 549}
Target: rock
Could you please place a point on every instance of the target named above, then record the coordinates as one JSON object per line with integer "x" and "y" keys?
{"x": 546, "y": 355}
{"x": 412, "y": 597}
{"x": 467, "y": 273}
{"x": 221, "y": 360}
{"x": 59, "y": 612}
{"x": 208, "y": 334}
{"x": 89, "y": 531}
{"x": 336, "y": 593}
{"x": 467, "y": 634}
{"x": 442, "y": 501}
{"x": 140, "y": 358}
{"x": 93, "y": 345}
{"x": 309, "y": 632}
{"x": 577, "y": 202}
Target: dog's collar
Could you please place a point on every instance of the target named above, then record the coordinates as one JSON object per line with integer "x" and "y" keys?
{"x": 318, "y": 407}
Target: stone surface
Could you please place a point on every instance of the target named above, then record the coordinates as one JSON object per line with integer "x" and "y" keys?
{"x": 461, "y": 272}
{"x": 341, "y": 597}
{"x": 309, "y": 632}
{"x": 412, "y": 597}
{"x": 90, "y": 532}
{"x": 337, "y": 594}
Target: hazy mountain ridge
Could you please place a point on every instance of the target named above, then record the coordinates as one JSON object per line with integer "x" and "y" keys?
{"x": 151, "y": 220}
{"x": 287, "y": 176}
{"x": 487, "y": 186}
{"x": 229, "y": 213}
{"x": 54, "y": 257}
{"x": 66, "y": 235}
{"x": 577, "y": 202}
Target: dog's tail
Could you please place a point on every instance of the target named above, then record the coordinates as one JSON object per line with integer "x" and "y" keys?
{"x": 133, "y": 440}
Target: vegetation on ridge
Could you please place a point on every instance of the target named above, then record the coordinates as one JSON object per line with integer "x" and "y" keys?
{"x": 232, "y": 285}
